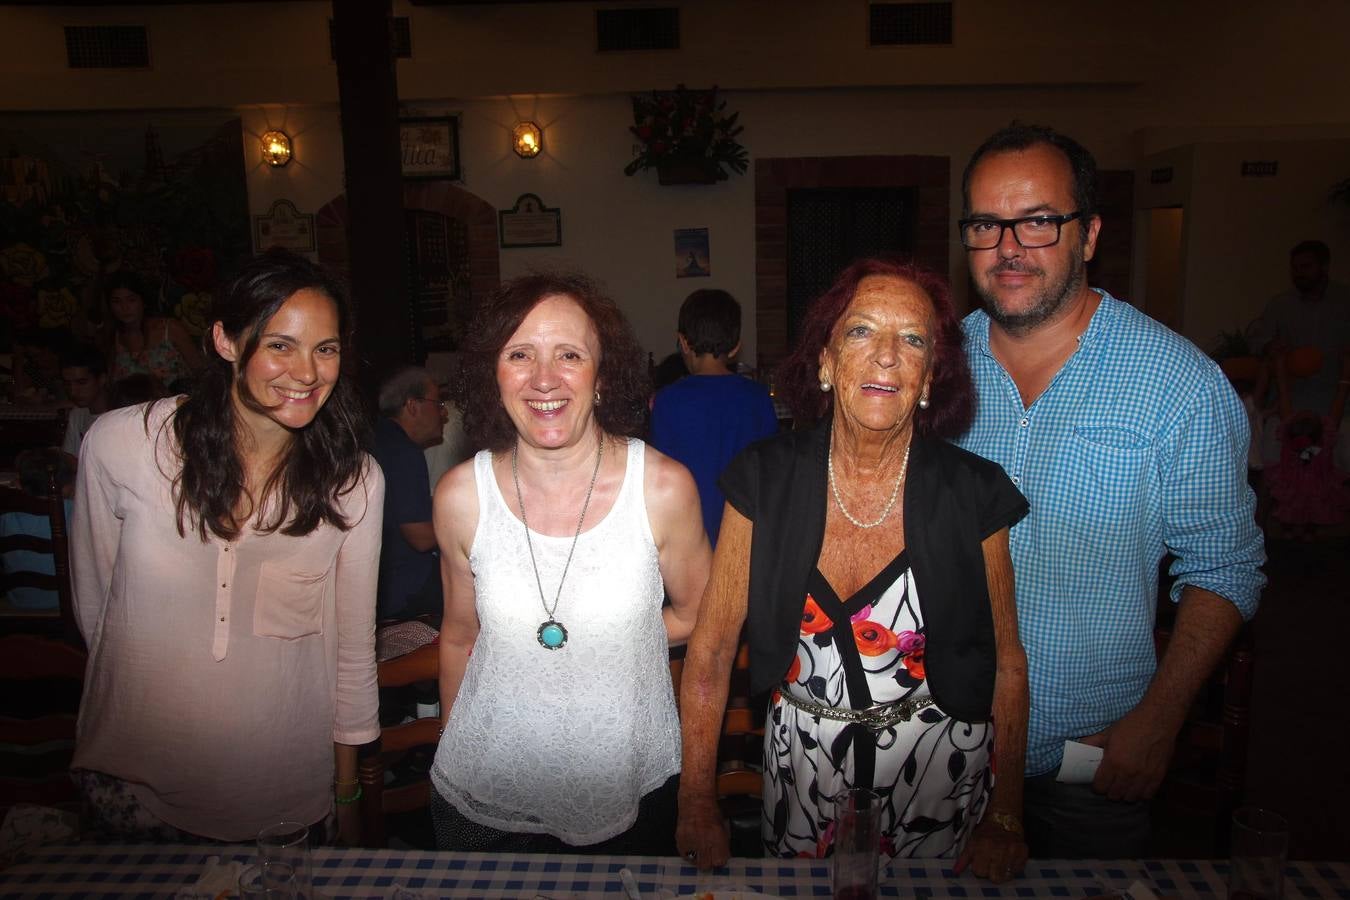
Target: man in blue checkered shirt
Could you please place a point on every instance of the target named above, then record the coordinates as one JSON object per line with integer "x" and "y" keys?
{"x": 1129, "y": 443}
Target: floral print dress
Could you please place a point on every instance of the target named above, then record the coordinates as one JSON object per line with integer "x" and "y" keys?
{"x": 934, "y": 773}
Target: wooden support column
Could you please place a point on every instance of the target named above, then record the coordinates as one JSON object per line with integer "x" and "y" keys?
{"x": 368, "y": 95}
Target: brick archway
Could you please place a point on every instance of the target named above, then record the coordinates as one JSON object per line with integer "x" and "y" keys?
{"x": 930, "y": 176}
{"x": 478, "y": 216}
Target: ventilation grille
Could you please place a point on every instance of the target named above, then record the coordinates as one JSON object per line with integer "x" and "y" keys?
{"x": 402, "y": 38}
{"x": 107, "y": 47}
{"x": 657, "y": 28}
{"x": 908, "y": 24}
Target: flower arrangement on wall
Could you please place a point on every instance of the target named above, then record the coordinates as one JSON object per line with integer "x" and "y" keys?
{"x": 687, "y": 136}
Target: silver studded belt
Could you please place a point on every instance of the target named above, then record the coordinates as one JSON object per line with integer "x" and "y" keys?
{"x": 882, "y": 715}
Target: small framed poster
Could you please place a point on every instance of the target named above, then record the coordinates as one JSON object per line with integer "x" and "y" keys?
{"x": 530, "y": 223}
{"x": 693, "y": 258}
{"x": 430, "y": 147}
{"x": 284, "y": 226}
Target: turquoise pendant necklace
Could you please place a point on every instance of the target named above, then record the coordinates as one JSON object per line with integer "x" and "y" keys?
{"x": 552, "y": 635}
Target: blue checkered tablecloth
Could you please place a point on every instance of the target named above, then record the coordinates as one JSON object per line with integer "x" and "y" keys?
{"x": 97, "y": 871}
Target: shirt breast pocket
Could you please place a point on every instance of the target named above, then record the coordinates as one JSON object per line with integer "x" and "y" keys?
{"x": 289, "y": 603}
{"x": 1113, "y": 472}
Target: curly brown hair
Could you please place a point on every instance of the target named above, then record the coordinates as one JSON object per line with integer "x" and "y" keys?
{"x": 622, "y": 375}
{"x": 951, "y": 389}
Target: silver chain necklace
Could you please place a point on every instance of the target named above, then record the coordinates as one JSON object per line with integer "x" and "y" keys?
{"x": 839, "y": 501}
{"x": 552, "y": 635}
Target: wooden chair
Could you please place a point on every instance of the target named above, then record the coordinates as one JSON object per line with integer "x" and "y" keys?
{"x": 53, "y": 507}
{"x": 42, "y": 681}
{"x": 395, "y": 742}
{"x": 740, "y": 753}
{"x": 1206, "y": 777}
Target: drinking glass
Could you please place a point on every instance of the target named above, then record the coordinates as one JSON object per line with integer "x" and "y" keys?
{"x": 287, "y": 844}
{"x": 1260, "y": 845}
{"x": 273, "y": 881}
{"x": 857, "y": 837}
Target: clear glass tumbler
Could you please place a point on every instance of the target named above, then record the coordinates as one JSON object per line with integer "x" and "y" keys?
{"x": 1260, "y": 846}
{"x": 857, "y": 837}
{"x": 287, "y": 844}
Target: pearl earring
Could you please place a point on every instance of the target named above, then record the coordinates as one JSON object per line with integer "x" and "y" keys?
{"x": 597, "y": 398}
{"x": 923, "y": 402}
{"x": 825, "y": 386}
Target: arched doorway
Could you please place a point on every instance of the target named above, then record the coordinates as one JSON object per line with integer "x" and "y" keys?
{"x": 451, "y": 253}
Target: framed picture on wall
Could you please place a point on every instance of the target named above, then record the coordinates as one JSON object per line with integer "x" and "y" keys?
{"x": 693, "y": 257}
{"x": 430, "y": 147}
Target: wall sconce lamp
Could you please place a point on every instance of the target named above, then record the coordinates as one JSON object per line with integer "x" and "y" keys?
{"x": 527, "y": 140}
{"x": 276, "y": 148}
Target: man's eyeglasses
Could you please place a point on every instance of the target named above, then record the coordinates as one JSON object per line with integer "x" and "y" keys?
{"x": 440, "y": 403}
{"x": 1030, "y": 231}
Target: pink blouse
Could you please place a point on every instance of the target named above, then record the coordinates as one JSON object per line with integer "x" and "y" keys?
{"x": 220, "y": 673}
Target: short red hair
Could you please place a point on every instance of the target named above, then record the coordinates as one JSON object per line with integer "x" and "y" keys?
{"x": 951, "y": 392}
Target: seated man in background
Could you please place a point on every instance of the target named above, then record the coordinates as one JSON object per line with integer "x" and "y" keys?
{"x": 411, "y": 416}
{"x": 85, "y": 374}
{"x": 710, "y": 415}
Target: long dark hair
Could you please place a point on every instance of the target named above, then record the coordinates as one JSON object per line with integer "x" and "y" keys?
{"x": 126, "y": 281}
{"x": 622, "y": 374}
{"x": 324, "y": 460}
{"x": 950, "y": 390}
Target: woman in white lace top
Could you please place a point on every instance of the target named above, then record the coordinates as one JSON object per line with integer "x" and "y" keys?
{"x": 558, "y": 542}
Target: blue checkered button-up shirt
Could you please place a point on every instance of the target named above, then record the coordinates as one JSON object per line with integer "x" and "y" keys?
{"x": 1137, "y": 447}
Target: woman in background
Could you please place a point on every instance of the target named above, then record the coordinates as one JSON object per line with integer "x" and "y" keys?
{"x": 140, "y": 345}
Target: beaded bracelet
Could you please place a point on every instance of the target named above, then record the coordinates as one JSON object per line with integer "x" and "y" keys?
{"x": 343, "y": 801}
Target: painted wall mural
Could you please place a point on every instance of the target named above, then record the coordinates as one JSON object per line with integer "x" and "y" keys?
{"x": 85, "y": 196}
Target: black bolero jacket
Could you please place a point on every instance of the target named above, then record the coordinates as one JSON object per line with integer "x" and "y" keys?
{"x": 953, "y": 501}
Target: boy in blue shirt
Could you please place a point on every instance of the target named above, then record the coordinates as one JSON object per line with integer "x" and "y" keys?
{"x": 706, "y": 418}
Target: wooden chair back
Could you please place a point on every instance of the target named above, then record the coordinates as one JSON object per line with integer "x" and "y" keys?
{"x": 740, "y": 760}
{"x": 41, "y": 680}
{"x": 377, "y": 800}
{"x": 1208, "y": 771}
{"x": 53, "y": 508}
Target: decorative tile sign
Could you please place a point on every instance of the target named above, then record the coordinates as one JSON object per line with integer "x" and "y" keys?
{"x": 530, "y": 223}
{"x": 284, "y": 226}
{"x": 430, "y": 147}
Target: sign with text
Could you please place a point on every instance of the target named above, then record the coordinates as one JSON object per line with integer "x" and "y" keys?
{"x": 430, "y": 147}
{"x": 530, "y": 223}
{"x": 284, "y": 226}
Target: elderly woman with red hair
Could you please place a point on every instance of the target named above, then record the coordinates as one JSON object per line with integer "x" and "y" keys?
{"x": 867, "y": 560}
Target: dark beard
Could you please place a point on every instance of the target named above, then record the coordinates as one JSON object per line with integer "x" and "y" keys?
{"x": 1049, "y": 302}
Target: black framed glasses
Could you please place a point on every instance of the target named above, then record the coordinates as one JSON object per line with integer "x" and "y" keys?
{"x": 1030, "y": 231}
{"x": 440, "y": 403}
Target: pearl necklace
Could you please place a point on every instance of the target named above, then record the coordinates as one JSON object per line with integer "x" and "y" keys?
{"x": 839, "y": 501}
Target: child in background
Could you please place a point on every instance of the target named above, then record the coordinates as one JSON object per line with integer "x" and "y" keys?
{"x": 706, "y": 418}
{"x": 1309, "y": 492}
{"x": 85, "y": 374}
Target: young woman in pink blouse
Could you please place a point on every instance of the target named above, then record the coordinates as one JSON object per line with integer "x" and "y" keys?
{"x": 225, "y": 551}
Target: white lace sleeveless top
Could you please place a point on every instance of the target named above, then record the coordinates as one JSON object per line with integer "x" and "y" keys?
{"x": 562, "y": 741}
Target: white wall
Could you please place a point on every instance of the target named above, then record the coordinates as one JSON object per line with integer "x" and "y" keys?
{"x": 1239, "y": 230}
{"x": 799, "y": 72}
